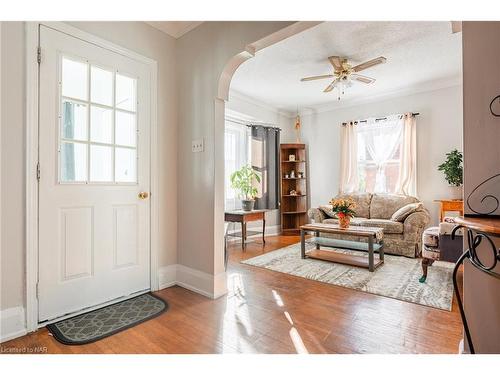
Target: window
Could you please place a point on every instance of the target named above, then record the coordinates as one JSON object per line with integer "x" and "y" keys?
{"x": 236, "y": 155}
{"x": 98, "y": 126}
{"x": 379, "y": 154}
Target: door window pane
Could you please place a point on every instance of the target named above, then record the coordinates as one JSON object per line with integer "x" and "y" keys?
{"x": 125, "y": 129}
{"x": 101, "y": 86}
{"x": 74, "y": 120}
{"x": 101, "y": 163}
{"x": 73, "y": 162}
{"x": 125, "y": 92}
{"x": 74, "y": 79}
{"x": 101, "y": 124}
{"x": 125, "y": 165}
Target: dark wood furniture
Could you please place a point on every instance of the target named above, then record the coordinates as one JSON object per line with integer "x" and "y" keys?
{"x": 293, "y": 206}
{"x": 373, "y": 235}
{"x": 450, "y": 205}
{"x": 244, "y": 217}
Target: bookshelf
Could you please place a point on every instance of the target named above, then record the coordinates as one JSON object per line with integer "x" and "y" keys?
{"x": 293, "y": 178}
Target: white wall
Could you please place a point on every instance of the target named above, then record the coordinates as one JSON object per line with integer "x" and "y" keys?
{"x": 260, "y": 111}
{"x": 439, "y": 130}
{"x": 136, "y": 36}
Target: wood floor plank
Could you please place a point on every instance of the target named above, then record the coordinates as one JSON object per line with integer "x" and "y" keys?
{"x": 271, "y": 312}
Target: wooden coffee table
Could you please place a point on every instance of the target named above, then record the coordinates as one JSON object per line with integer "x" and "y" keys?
{"x": 375, "y": 244}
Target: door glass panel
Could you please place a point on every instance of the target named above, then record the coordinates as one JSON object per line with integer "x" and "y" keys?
{"x": 74, "y": 120}
{"x": 101, "y": 124}
{"x": 101, "y": 163}
{"x": 73, "y": 162}
{"x": 125, "y": 133}
{"x": 125, "y": 92}
{"x": 125, "y": 164}
{"x": 101, "y": 86}
{"x": 74, "y": 79}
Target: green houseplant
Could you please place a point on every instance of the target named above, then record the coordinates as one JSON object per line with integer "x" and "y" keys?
{"x": 453, "y": 172}
{"x": 243, "y": 180}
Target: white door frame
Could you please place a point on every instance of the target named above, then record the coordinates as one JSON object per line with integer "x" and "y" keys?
{"x": 32, "y": 149}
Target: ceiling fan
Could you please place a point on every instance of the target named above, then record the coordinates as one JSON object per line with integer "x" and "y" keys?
{"x": 344, "y": 73}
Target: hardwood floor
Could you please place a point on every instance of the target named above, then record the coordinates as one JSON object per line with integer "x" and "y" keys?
{"x": 270, "y": 312}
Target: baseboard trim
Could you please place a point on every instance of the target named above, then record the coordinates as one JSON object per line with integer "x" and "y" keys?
{"x": 12, "y": 323}
{"x": 211, "y": 286}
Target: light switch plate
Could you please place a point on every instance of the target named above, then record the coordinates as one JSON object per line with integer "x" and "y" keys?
{"x": 197, "y": 145}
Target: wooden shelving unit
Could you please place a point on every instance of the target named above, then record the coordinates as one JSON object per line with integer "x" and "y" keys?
{"x": 293, "y": 207}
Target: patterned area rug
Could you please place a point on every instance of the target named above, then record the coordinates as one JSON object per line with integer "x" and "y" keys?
{"x": 396, "y": 278}
{"x": 97, "y": 324}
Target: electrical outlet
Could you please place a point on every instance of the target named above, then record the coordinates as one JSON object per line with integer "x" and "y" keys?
{"x": 197, "y": 145}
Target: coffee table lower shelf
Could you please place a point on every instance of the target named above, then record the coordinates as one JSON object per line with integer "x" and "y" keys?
{"x": 352, "y": 260}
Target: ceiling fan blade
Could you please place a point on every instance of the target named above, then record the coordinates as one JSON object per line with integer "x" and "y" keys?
{"x": 360, "y": 78}
{"x": 317, "y": 77}
{"x": 369, "y": 64}
{"x": 336, "y": 61}
{"x": 331, "y": 86}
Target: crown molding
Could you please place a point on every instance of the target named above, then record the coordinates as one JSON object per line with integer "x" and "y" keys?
{"x": 234, "y": 94}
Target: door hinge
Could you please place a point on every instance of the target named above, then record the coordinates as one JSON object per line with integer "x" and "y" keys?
{"x": 39, "y": 54}
{"x": 38, "y": 171}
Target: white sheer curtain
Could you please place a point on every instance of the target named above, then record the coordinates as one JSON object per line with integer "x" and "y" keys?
{"x": 379, "y": 142}
{"x": 407, "y": 181}
{"x": 348, "y": 159}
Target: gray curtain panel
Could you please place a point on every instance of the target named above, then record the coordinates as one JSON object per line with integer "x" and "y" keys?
{"x": 265, "y": 159}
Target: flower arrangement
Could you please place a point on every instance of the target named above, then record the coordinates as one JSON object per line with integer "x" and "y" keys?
{"x": 344, "y": 208}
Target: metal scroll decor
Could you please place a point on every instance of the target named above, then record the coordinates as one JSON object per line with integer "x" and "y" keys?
{"x": 480, "y": 200}
{"x": 484, "y": 263}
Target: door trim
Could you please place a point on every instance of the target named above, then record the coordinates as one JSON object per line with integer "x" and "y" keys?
{"x": 32, "y": 149}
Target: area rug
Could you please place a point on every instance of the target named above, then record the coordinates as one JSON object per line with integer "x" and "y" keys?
{"x": 396, "y": 278}
{"x": 106, "y": 321}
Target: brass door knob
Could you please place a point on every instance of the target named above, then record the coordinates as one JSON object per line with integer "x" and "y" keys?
{"x": 143, "y": 195}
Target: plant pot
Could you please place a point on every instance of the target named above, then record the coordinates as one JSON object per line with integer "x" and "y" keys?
{"x": 456, "y": 192}
{"x": 344, "y": 221}
{"x": 247, "y": 205}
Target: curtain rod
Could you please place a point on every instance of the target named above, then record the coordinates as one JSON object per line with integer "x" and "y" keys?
{"x": 380, "y": 119}
{"x": 249, "y": 124}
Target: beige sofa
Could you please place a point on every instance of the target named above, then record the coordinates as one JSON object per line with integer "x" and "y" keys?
{"x": 375, "y": 210}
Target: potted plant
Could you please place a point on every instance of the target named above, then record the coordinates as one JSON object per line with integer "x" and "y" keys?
{"x": 244, "y": 181}
{"x": 344, "y": 208}
{"x": 453, "y": 172}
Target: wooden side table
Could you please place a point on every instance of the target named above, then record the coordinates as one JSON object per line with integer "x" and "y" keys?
{"x": 447, "y": 205}
{"x": 244, "y": 217}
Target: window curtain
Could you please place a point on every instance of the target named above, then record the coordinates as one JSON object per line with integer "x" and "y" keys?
{"x": 381, "y": 140}
{"x": 265, "y": 159}
{"x": 348, "y": 159}
{"x": 407, "y": 181}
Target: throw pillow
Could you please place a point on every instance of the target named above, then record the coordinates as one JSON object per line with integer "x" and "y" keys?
{"x": 405, "y": 211}
{"x": 327, "y": 210}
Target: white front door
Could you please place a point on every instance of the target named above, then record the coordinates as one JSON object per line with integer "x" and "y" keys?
{"x": 94, "y": 223}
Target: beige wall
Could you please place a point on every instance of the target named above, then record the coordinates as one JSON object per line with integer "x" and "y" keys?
{"x": 202, "y": 56}
{"x": 439, "y": 130}
{"x": 136, "y": 36}
{"x": 481, "y": 61}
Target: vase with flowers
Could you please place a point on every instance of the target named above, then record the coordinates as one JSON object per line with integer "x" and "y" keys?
{"x": 344, "y": 208}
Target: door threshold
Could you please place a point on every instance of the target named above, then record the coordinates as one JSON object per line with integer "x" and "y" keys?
{"x": 88, "y": 309}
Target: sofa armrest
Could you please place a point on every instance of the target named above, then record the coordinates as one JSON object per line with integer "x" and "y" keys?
{"x": 414, "y": 226}
{"x": 316, "y": 215}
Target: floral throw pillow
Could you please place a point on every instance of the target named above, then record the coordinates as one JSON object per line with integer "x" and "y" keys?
{"x": 327, "y": 210}
{"x": 405, "y": 211}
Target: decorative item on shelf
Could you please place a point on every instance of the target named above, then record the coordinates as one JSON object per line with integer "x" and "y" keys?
{"x": 297, "y": 127}
{"x": 453, "y": 173}
{"x": 291, "y": 157}
{"x": 292, "y": 174}
{"x": 293, "y": 192}
{"x": 344, "y": 208}
{"x": 287, "y": 175}
{"x": 300, "y": 174}
{"x": 244, "y": 181}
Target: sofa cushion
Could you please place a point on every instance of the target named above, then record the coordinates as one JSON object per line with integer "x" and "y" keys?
{"x": 406, "y": 210}
{"x": 327, "y": 210}
{"x": 389, "y": 226}
{"x": 354, "y": 221}
{"x": 382, "y": 206}
{"x": 362, "y": 201}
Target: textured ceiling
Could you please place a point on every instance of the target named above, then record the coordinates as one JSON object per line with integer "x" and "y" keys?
{"x": 175, "y": 28}
{"x": 420, "y": 56}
